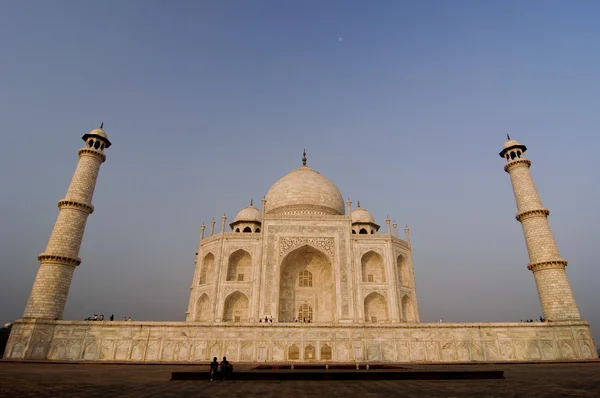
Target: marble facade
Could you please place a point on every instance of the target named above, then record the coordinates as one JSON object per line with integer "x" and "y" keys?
{"x": 243, "y": 342}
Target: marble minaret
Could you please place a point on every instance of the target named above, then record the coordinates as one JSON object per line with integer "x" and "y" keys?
{"x": 58, "y": 261}
{"x": 545, "y": 262}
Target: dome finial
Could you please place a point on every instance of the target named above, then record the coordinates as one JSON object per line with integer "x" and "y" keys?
{"x": 101, "y": 125}
{"x": 358, "y": 203}
{"x": 508, "y": 136}
{"x": 304, "y": 158}
{"x": 250, "y": 201}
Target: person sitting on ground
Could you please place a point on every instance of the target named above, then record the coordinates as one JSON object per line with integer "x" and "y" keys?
{"x": 214, "y": 369}
{"x": 226, "y": 368}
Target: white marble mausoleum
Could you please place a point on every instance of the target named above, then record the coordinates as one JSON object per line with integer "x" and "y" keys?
{"x": 303, "y": 277}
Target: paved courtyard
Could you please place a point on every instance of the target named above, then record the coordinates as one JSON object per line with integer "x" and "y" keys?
{"x": 101, "y": 380}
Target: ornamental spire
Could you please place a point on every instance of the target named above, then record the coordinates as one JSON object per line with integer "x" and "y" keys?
{"x": 304, "y": 158}
{"x": 508, "y": 136}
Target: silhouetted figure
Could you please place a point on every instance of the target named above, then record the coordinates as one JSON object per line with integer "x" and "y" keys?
{"x": 226, "y": 369}
{"x": 266, "y": 319}
{"x": 112, "y": 317}
{"x": 214, "y": 369}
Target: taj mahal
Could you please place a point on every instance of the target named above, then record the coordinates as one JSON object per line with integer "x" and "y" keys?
{"x": 302, "y": 276}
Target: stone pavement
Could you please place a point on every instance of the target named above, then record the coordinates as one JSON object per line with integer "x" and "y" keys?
{"x": 102, "y": 380}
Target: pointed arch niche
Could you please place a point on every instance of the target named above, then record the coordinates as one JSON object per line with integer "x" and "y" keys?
{"x": 207, "y": 270}
{"x": 408, "y": 311}
{"x": 294, "y": 291}
{"x": 240, "y": 266}
{"x": 402, "y": 270}
{"x": 372, "y": 268}
{"x": 376, "y": 309}
{"x": 203, "y": 309}
{"x": 236, "y": 308}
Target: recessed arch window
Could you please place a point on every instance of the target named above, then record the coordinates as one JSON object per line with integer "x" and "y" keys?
{"x": 257, "y": 230}
{"x": 362, "y": 231}
{"x": 91, "y": 143}
{"x": 247, "y": 229}
{"x": 97, "y": 145}
{"x": 305, "y": 279}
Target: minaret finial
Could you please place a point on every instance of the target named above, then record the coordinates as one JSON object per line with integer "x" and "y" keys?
{"x": 250, "y": 201}
{"x": 304, "y": 158}
{"x": 508, "y": 136}
{"x": 358, "y": 203}
{"x": 101, "y": 125}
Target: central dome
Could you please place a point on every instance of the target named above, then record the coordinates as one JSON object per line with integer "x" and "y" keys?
{"x": 304, "y": 191}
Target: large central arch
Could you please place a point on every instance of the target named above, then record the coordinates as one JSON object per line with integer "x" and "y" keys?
{"x": 306, "y": 287}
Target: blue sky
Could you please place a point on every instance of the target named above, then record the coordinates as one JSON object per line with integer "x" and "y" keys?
{"x": 403, "y": 105}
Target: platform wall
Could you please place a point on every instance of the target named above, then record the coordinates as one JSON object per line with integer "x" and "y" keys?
{"x": 194, "y": 342}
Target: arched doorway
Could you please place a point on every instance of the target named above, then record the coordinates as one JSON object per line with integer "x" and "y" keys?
{"x": 326, "y": 353}
{"x": 402, "y": 268}
{"x": 375, "y": 308}
{"x": 203, "y": 309}
{"x": 236, "y": 308}
{"x": 372, "y": 268}
{"x": 408, "y": 312}
{"x": 293, "y": 353}
{"x": 240, "y": 266}
{"x": 206, "y": 272}
{"x": 306, "y": 282}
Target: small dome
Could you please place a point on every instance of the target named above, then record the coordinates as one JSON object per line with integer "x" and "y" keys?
{"x": 99, "y": 132}
{"x": 249, "y": 213}
{"x": 362, "y": 215}
{"x": 511, "y": 143}
{"x": 304, "y": 191}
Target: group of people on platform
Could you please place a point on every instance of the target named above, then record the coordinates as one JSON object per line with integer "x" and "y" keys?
{"x": 100, "y": 317}
{"x": 267, "y": 320}
{"x": 542, "y": 319}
